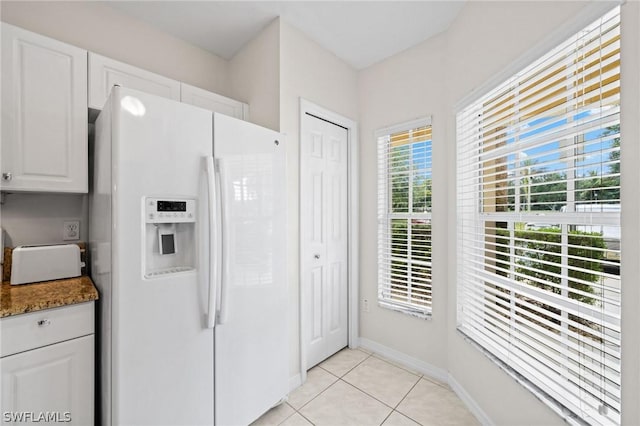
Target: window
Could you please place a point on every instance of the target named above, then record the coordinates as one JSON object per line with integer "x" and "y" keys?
{"x": 404, "y": 217}
{"x": 538, "y": 225}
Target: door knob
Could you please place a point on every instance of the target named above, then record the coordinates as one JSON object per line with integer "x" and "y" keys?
{"x": 7, "y": 176}
{"x": 316, "y": 256}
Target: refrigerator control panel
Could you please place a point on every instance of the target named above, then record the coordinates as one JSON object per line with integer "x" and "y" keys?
{"x": 169, "y": 210}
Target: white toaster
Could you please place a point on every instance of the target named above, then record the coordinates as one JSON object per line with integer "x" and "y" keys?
{"x": 30, "y": 264}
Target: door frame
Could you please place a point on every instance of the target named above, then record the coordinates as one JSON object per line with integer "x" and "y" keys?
{"x": 308, "y": 107}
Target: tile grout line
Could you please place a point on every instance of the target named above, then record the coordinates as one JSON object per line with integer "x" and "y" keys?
{"x": 322, "y": 391}
{"x": 368, "y": 394}
{"x": 349, "y": 370}
{"x": 286, "y": 418}
{"x": 405, "y": 397}
{"x": 386, "y": 418}
{"x": 324, "y": 369}
{"x": 307, "y": 419}
{"x": 298, "y": 412}
{"x": 319, "y": 393}
{"x": 339, "y": 378}
{"x": 404, "y": 415}
{"x": 371, "y": 396}
{"x": 394, "y": 409}
{"x": 388, "y": 361}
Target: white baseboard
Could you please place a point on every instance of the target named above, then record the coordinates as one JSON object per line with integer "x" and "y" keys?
{"x": 471, "y": 404}
{"x": 431, "y": 371}
{"x": 406, "y": 360}
{"x": 294, "y": 382}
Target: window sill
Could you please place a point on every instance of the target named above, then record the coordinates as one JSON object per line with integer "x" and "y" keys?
{"x": 567, "y": 415}
{"x": 425, "y": 315}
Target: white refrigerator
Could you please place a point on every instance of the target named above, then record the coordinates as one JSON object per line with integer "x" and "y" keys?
{"x": 187, "y": 244}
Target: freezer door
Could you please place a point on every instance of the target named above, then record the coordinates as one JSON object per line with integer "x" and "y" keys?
{"x": 162, "y": 363}
{"x": 251, "y": 336}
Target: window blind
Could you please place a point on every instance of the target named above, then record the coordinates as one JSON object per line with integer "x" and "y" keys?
{"x": 538, "y": 225}
{"x": 404, "y": 217}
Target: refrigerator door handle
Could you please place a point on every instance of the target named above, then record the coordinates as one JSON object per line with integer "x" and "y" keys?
{"x": 213, "y": 265}
{"x": 222, "y": 213}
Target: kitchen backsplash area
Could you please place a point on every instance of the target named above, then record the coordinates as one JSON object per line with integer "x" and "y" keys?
{"x": 28, "y": 218}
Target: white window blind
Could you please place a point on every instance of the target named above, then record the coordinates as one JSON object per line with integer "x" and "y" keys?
{"x": 404, "y": 217}
{"x": 538, "y": 226}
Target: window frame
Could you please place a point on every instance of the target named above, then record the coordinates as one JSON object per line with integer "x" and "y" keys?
{"x": 573, "y": 216}
{"x": 386, "y": 216}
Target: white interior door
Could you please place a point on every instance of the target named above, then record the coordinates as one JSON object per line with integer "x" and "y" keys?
{"x": 324, "y": 237}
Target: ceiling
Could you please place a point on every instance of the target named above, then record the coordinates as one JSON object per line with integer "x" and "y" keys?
{"x": 359, "y": 32}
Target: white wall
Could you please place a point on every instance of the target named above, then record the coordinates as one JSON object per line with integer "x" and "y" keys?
{"x": 309, "y": 71}
{"x": 630, "y": 176}
{"x": 410, "y": 85}
{"x": 254, "y": 75}
{"x": 430, "y": 79}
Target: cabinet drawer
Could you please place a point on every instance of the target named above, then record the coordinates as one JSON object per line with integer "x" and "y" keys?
{"x": 33, "y": 330}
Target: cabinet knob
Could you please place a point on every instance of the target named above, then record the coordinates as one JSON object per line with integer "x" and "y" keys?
{"x": 316, "y": 256}
{"x": 44, "y": 322}
{"x": 7, "y": 176}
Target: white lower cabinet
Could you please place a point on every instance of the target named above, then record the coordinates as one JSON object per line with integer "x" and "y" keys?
{"x": 52, "y": 384}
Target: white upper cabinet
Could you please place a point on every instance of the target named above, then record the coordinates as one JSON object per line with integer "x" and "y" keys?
{"x": 44, "y": 114}
{"x": 217, "y": 103}
{"x": 104, "y": 73}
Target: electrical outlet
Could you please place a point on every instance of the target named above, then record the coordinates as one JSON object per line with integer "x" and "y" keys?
{"x": 365, "y": 305}
{"x": 71, "y": 230}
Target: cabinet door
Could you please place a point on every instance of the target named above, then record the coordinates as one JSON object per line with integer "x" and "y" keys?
{"x": 55, "y": 381}
{"x": 213, "y": 102}
{"x": 104, "y": 73}
{"x": 44, "y": 114}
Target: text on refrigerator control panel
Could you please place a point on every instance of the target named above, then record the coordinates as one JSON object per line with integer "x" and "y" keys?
{"x": 169, "y": 210}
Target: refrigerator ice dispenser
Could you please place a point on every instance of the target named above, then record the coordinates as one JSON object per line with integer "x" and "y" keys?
{"x": 170, "y": 236}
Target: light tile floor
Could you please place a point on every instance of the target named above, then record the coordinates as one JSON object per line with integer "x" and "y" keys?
{"x": 354, "y": 387}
